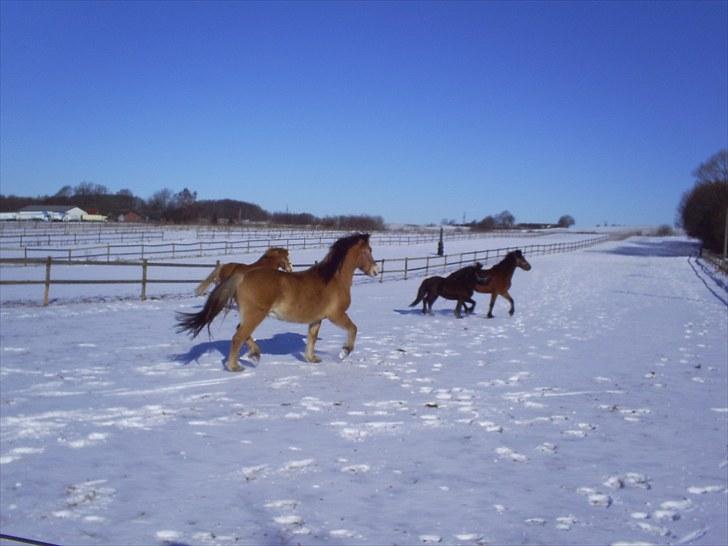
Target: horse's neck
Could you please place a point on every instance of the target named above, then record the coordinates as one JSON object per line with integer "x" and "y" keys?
{"x": 508, "y": 266}
{"x": 345, "y": 275}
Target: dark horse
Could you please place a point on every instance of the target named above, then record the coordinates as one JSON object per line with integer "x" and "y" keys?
{"x": 458, "y": 285}
{"x": 499, "y": 279}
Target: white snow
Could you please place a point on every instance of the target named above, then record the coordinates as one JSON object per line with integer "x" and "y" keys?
{"x": 595, "y": 415}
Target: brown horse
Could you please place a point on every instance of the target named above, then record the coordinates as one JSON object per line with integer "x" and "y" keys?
{"x": 274, "y": 258}
{"x": 322, "y": 291}
{"x": 458, "y": 285}
{"x": 499, "y": 279}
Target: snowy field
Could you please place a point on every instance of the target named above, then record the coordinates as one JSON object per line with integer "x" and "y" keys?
{"x": 597, "y": 414}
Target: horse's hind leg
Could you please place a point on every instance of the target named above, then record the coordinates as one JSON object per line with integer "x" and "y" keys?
{"x": 343, "y": 321}
{"x": 430, "y": 300}
{"x": 470, "y": 309}
{"x": 313, "y": 330}
{"x": 243, "y": 334}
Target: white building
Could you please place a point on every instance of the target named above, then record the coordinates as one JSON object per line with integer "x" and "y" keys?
{"x": 51, "y": 213}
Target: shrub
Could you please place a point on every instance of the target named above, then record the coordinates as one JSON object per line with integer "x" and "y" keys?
{"x": 702, "y": 211}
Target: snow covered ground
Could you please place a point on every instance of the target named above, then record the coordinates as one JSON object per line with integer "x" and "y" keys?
{"x": 597, "y": 414}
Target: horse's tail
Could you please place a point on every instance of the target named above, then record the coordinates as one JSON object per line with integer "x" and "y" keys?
{"x": 216, "y": 302}
{"x": 420, "y": 293}
{"x": 212, "y": 277}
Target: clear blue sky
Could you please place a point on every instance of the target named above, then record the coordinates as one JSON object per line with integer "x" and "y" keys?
{"x": 415, "y": 111}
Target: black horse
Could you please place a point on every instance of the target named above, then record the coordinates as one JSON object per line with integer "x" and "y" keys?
{"x": 458, "y": 285}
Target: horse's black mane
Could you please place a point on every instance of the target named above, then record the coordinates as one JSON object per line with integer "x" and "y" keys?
{"x": 330, "y": 265}
{"x": 507, "y": 262}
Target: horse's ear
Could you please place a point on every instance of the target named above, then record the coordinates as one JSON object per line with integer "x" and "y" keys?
{"x": 365, "y": 237}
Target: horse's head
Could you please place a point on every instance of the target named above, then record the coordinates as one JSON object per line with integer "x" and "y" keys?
{"x": 365, "y": 262}
{"x": 280, "y": 257}
{"x": 521, "y": 261}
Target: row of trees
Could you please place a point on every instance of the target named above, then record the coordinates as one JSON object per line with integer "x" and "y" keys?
{"x": 506, "y": 220}
{"x": 182, "y": 208}
{"x": 703, "y": 210}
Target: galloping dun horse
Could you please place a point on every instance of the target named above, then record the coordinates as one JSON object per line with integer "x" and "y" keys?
{"x": 458, "y": 285}
{"x": 274, "y": 258}
{"x": 320, "y": 292}
{"x": 499, "y": 279}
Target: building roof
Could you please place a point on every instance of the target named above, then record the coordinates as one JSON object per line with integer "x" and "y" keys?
{"x": 48, "y": 208}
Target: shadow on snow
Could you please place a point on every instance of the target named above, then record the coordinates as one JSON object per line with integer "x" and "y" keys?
{"x": 664, "y": 248}
{"x": 280, "y": 344}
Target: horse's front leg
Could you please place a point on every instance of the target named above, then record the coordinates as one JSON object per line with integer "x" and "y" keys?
{"x": 343, "y": 321}
{"x": 313, "y": 330}
{"x": 471, "y": 301}
{"x": 458, "y": 309}
{"x": 510, "y": 300}
{"x": 493, "y": 296}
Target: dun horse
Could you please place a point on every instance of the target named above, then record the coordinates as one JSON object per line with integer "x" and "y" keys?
{"x": 499, "y": 279}
{"x": 459, "y": 286}
{"x": 273, "y": 258}
{"x": 320, "y": 292}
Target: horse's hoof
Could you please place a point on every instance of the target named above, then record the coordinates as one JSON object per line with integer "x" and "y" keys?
{"x": 234, "y": 368}
{"x": 313, "y": 359}
{"x": 344, "y": 353}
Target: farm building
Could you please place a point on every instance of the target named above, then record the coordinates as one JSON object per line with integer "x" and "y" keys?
{"x": 55, "y": 213}
{"x": 130, "y": 217}
{"x": 51, "y": 213}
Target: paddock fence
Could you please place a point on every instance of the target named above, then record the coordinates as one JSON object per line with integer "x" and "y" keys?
{"x": 141, "y": 250}
{"x": 719, "y": 262}
{"x": 390, "y": 268}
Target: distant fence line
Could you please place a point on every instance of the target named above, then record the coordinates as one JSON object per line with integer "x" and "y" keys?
{"x": 390, "y": 268}
{"x": 174, "y": 250}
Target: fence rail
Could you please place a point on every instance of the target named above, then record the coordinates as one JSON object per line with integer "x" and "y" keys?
{"x": 173, "y": 250}
{"x": 719, "y": 262}
{"x": 390, "y": 268}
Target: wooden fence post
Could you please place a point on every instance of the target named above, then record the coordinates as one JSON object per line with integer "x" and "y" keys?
{"x": 406, "y": 262}
{"x": 144, "y": 279}
{"x": 47, "y": 281}
{"x": 381, "y": 272}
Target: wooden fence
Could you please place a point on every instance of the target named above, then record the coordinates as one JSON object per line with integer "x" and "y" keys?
{"x": 390, "y": 268}
{"x": 718, "y": 261}
{"x": 173, "y": 250}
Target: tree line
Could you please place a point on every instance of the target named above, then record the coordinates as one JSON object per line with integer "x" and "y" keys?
{"x": 506, "y": 220}
{"x": 183, "y": 207}
{"x": 703, "y": 210}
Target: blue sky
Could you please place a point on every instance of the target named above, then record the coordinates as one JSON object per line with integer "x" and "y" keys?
{"x": 415, "y": 111}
